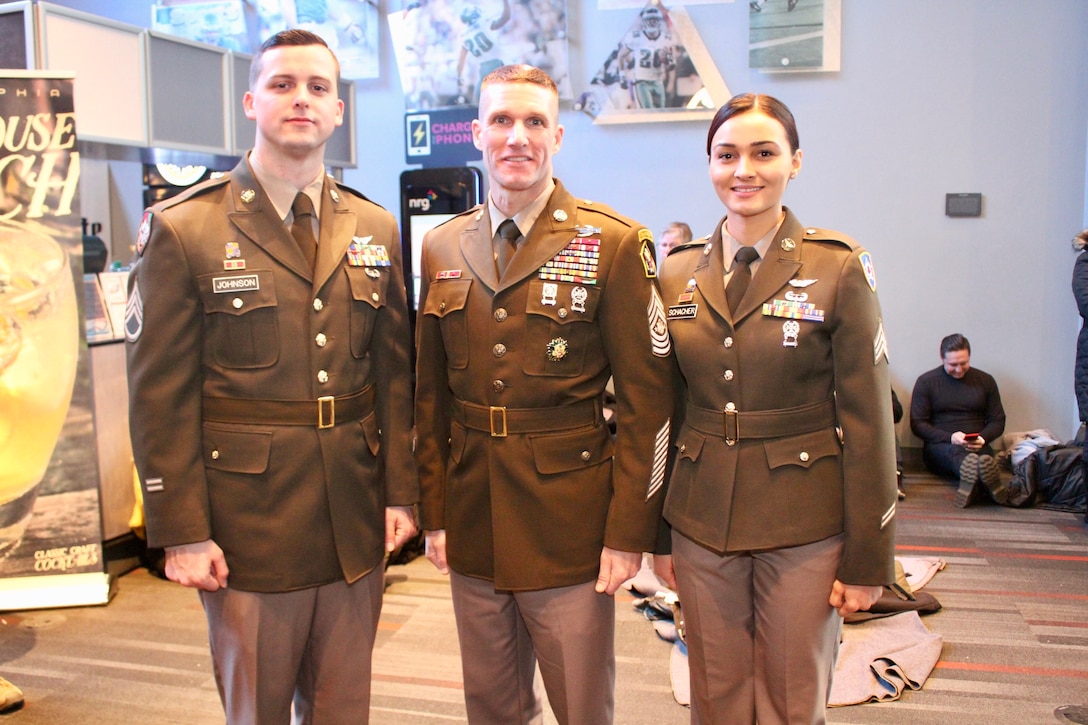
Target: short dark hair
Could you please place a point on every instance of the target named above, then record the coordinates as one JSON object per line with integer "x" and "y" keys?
{"x": 520, "y": 73}
{"x": 745, "y": 102}
{"x": 292, "y": 36}
{"x": 954, "y": 343}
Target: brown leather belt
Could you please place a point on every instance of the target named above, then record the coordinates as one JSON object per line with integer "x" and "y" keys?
{"x": 500, "y": 422}
{"x": 325, "y": 412}
{"x": 736, "y": 425}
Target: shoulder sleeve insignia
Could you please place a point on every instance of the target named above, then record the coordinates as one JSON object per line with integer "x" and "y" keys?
{"x": 868, "y": 270}
{"x": 144, "y": 233}
{"x": 646, "y": 237}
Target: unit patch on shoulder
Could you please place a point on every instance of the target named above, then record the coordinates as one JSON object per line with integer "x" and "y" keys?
{"x": 648, "y": 264}
{"x": 144, "y": 233}
{"x": 867, "y": 268}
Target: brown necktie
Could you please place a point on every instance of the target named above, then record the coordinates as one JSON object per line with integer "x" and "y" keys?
{"x": 506, "y": 243}
{"x": 302, "y": 228}
{"x": 742, "y": 275}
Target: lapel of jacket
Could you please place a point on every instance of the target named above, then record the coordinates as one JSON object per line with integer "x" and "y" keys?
{"x": 255, "y": 217}
{"x": 709, "y": 273}
{"x": 477, "y": 250}
{"x": 338, "y": 227}
{"x": 552, "y": 231}
{"x": 781, "y": 263}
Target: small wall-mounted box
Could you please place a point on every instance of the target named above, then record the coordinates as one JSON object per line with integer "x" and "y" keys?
{"x": 963, "y": 204}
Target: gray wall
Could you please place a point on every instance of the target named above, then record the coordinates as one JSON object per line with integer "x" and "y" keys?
{"x": 934, "y": 96}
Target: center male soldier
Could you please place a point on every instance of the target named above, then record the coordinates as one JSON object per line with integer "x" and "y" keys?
{"x": 271, "y": 402}
{"x": 535, "y": 510}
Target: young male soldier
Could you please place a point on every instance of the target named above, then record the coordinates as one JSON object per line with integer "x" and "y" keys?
{"x": 271, "y": 403}
{"x": 528, "y": 304}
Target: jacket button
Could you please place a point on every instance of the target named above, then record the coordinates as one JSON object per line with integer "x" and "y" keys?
{"x": 804, "y": 456}
{"x": 562, "y": 312}
{"x": 585, "y": 455}
{"x": 730, "y": 406}
{"x": 375, "y": 296}
{"x": 498, "y": 386}
{"x": 321, "y": 340}
{"x": 728, "y": 375}
{"x": 237, "y": 303}
{"x": 322, "y": 376}
{"x": 441, "y": 306}
{"x": 728, "y": 342}
{"x": 215, "y": 455}
{"x": 499, "y": 350}
{"x": 500, "y": 314}
{"x": 318, "y": 305}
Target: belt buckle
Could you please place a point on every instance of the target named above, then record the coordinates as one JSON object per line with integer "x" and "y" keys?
{"x": 323, "y": 420}
{"x": 500, "y": 430}
{"x": 732, "y": 427}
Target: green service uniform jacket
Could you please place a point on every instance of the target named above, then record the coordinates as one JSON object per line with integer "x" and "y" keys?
{"x": 529, "y": 357}
{"x": 232, "y": 341}
{"x": 787, "y": 434}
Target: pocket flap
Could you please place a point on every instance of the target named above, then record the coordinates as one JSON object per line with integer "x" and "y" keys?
{"x": 367, "y": 288}
{"x": 237, "y": 293}
{"x": 802, "y": 450}
{"x": 447, "y": 296}
{"x": 563, "y": 302}
{"x": 570, "y": 451}
{"x": 236, "y": 451}
{"x": 690, "y": 444}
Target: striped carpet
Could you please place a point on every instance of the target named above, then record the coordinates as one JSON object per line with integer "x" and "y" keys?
{"x": 1014, "y": 624}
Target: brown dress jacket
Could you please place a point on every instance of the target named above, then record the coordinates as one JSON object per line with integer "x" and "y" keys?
{"x": 224, "y": 309}
{"x": 787, "y": 434}
{"x": 532, "y": 509}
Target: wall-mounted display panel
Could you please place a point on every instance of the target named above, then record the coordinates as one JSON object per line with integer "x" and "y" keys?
{"x": 16, "y": 28}
{"x": 107, "y": 59}
{"x": 188, "y": 94}
{"x": 340, "y": 150}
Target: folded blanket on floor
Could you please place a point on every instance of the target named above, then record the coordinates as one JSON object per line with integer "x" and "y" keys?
{"x": 881, "y": 658}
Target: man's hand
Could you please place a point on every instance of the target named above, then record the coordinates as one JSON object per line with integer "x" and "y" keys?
{"x": 400, "y": 525}
{"x": 435, "y": 547}
{"x": 664, "y": 570}
{"x": 616, "y": 568}
{"x": 200, "y": 565}
{"x": 849, "y": 598}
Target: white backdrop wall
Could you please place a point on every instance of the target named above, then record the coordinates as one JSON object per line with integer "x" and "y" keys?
{"x": 934, "y": 96}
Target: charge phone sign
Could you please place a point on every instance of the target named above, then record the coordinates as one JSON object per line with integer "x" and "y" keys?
{"x": 418, "y": 131}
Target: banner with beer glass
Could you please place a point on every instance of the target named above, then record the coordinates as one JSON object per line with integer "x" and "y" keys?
{"x": 50, "y": 521}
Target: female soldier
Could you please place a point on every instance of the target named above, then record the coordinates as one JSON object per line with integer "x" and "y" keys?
{"x": 782, "y": 497}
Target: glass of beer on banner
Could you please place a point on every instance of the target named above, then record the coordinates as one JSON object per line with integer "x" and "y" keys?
{"x": 39, "y": 346}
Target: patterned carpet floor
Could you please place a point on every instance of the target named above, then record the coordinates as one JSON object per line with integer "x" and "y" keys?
{"x": 1014, "y": 623}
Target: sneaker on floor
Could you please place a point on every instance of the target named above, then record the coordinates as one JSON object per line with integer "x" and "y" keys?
{"x": 989, "y": 472}
{"x": 11, "y": 697}
{"x": 970, "y": 490}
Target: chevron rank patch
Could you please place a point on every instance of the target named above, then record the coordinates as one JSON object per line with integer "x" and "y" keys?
{"x": 880, "y": 345}
{"x": 134, "y": 314}
{"x": 659, "y": 326}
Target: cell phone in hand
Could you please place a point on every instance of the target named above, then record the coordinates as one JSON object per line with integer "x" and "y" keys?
{"x": 970, "y": 436}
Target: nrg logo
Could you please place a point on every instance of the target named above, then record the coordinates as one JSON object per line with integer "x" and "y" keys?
{"x": 424, "y": 202}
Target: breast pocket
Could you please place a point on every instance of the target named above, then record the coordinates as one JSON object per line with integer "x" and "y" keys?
{"x": 369, "y": 286}
{"x": 240, "y": 318}
{"x": 446, "y": 301}
{"x": 560, "y": 327}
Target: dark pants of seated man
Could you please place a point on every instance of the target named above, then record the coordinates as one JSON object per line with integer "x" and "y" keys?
{"x": 944, "y": 459}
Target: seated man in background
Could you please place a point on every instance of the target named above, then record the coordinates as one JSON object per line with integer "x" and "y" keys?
{"x": 675, "y": 234}
{"x": 956, "y": 411}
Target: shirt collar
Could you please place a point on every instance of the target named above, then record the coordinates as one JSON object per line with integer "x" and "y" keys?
{"x": 527, "y": 216}
{"x": 282, "y": 193}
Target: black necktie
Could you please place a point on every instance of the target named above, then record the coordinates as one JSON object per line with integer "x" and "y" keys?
{"x": 302, "y": 228}
{"x": 742, "y": 275}
{"x": 506, "y": 243}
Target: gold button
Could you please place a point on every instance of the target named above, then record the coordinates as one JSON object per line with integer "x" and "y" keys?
{"x": 500, "y": 314}
{"x": 499, "y": 350}
{"x": 730, "y": 406}
{"x": 728, "y": 375}
{"x": 498, "y": 386}
{"x": 683, "y": 448}
{"x": 322, "y": 376}
{"x": 728, "y": 342}
{"x": 804, "y": 456}
{"x": 562, "y": 313}
{"x": 375, "y": 296}
{"x": 237, "y": 303}
{"x": 318, "y": 305}
{"x": 585, "y": 455}
{"x": 321, "y": 340}
{"x": 215, "y": 455}
{"x": 441, "y": 306}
